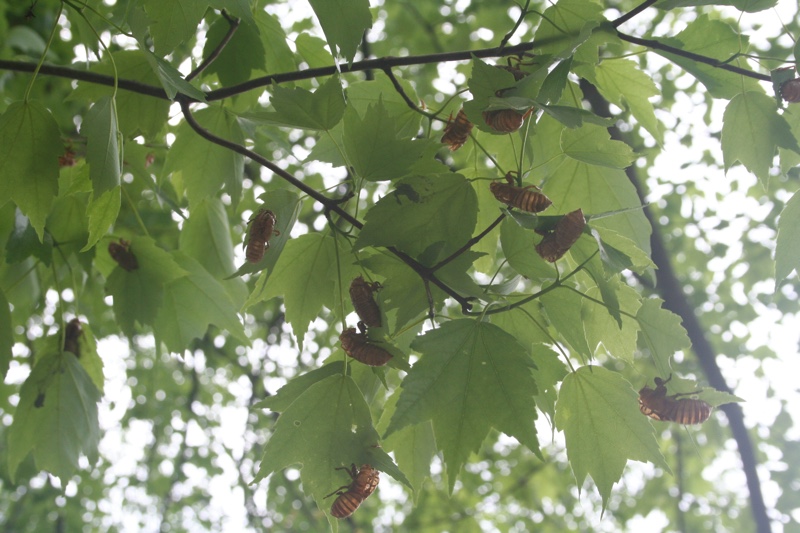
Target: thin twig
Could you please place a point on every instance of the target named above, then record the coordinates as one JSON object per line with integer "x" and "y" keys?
{"x": 522, "y": 16}
{"x": 656, "y": 45}
{"x": 329, "y": 204}
{"x": 406, "y": 98}
{"x": 469, "y": 244}
{"x": 233, "y": 26}
{"x": 632, "y": 13}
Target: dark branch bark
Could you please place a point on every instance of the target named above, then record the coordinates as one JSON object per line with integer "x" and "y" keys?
{"x": 233, "y": 26}
{"x": 671, "y": 291}
{"x": 329, "y": 204}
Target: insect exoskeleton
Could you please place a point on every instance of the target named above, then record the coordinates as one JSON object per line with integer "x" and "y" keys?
{"x": 364, "y": 482}
{"x": 790, "y": 90}
{"x": 72, "y": 334}
{"x": 120, "y": 252}
{"x": 262, "y": 226}
{"x": 457, "y": 130}
{"x": 566, "y": 233}
{"x": 527, "y": 198}
{"x": 363, "y": 302}
{"x": 359, "y": 348}
{"x": 505, "y": 120}
{"x": 657, "y": 405}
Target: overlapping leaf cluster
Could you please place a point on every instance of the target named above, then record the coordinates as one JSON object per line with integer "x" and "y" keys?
{"x": 484, "y": 331}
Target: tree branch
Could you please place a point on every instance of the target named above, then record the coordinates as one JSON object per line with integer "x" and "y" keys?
{"x": 632, "y": 13}
{"x": 328, "y": 203}
{"x": 671, "y": 291}
{"x": 657, "y": 45}
{"x": 233, "y": 26}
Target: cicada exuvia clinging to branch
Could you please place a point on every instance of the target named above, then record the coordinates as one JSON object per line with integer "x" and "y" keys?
{"x": 262, "y": 227}
{"x": 121, "y": 253}
{"x": 364, "y": 482}
{"x": 566, "y": 233}
{"x": 359, "y": 348}
{"x": 364, "y": 303}
{"x": 673, "y": 408}
{"x": 457, "y": 131}
{"x": 528, "y": 198}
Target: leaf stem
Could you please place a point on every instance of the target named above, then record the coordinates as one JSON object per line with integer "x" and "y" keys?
{"x": 135, "y": 211}
{"x": 44, "y": 54}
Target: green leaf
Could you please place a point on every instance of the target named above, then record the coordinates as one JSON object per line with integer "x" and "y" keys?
{"x": 206, "y": 237}
{"x": 621, "y": 82}
{"x": 283, "y": 398}
{"x": 364, "y": 96}
{"x": 414, "y": 447}
{"x": 526, "y": 323}
{"x": 328, "y": 426}
{"x": 598, "y": 412}
{"x": 471, "y": 376}
{"x": 299, "y": 108}
{"x": 172, "y": 80}
{"x": 592, "y": 144}
{"x": 566, "y": 25}
{"x": 103, "y": 145}
{"x": 602, "y": 328}
{"x": 102, "y": 213}
{"x": 237, "y": 8}
{"x": 422, "y": 211}
{"x": 191, "y": 304}
{"x": 30, "y": 144}
{"x": 56, "y": 418}
{"x": 749, "y": 6}
{"x": 549, "y": 372}
{"x": 205, "y": 166}
{"x": 565, "y": 310}
{"x": 23, "y": 242}
{"x": 278, "y": 56}
{"x": 89, "y": 358}
{"x": 752, "y": 131}
{"x": 344, "y": 23}
{"x": 139, "y": 294}
{"x": 6, "y": 335}
{"x": 718, "y": 40}
{"x": 572, "y": 117}
{"x": 661, "y": 333}
{"x": 137, "y": 114}
{"x": 596, "y": 189}
{"x": 243, "y": 53}
{"x": 517, "y": 243}
{"x": 173, "y": 22}
{"x": 312, "y": 50}
{"x": 303, "y": 277}
{"x": 787, "y": 248}
{"x": 372, "y": 145}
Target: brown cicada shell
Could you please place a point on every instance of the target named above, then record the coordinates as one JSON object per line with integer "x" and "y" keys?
{"x": 505, "y": 120}
{"x": 790, "y": 90}
{"x": 364, "y": 482}
{"x": 262, "y": 227}
{"x": 120, "y": 252}
{"x": 457, "y": 131}
{"x": 359, "y": 348}
{"x": 566, "y": 233}
{"x": 657, "y": 405}
{"x": 526, "y": 198}
{"x": 72, "y": 335}
{"x": 363, "y": 302}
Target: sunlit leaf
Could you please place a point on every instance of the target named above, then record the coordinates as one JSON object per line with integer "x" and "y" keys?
{"x": 30, "y": 144}
{"x": 56, "y": 418}
{"x": 598, "y": 412}
{"x": 471, "y": 376}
